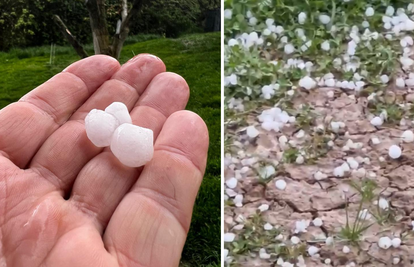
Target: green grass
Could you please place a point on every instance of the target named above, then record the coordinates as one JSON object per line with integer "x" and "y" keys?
{"x": 195, "y": 57}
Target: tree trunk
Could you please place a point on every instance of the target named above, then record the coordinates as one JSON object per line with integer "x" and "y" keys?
{"x": 71, "y": 39}
{"x": 121, "y": 34}
{"x": 97, "y": 15}
{"x": 213, "y": 20}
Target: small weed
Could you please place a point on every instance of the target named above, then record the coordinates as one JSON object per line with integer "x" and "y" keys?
{"x": 291, "y": 252}
{"x": 353, "y": 232}
{"x": 290, "y": 155}
{"x": 253, "y": 236}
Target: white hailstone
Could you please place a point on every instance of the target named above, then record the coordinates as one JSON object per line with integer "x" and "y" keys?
{"x": 406, "y": 62}
{"x": 266, "y": 32}
{"x": 377, "y": 121}
{"x": 353, "y": 164}
{"x": 329, "y": 240}
{"x": 312, "y": 250}
{"x": 330, "y": 83}
{"x": 339, "y": 172}
{"x": 326, "y": 46}
{"x": 120, "y": 112}
{"x": 233, "y": 79}
{"x": 301, "y": 226}
{"x": 307, "y": 82}
{"x": 396, "y": 242}
{"x": 231, "y": 183}
{"x": 410, "y": 8}
{"x": 280, "y": 261}
{"x": 359, "y": 85}
{"x": 383, "y": 204}
{"x": 279, "y": 30}
{"x": 228, "y": 13}
{"x": 280, "y": 184}
{"x": 381, "y": 159}
{"x": 238, "y": 200}
{"x": 263, "y": 254}
{"x": 390, "y": 11}
{"x": 409, "y": 82}
{"x": 288, "y": 264}
{"x": 232, "y": 42}
{"x": 412, "y": 225}
{"x": 132, "y": 145}
{"x": 395, "y": 261}
{"x": 365, "y": 24}
{"x": 331, "y": 143}
{"x": 268, "y": 227}
{"x": 289, "y": 49}
{"x": 225, "y": 253}
{"x": 345, "y": 167}
{"x": 229, "y": 237}
{"x": 283, "y": 139}
{"x": 407, "y": 136}
{"x": 346, "y": 249}
{"x": 384, "y": 242}
{"x": 335, "y": 126}
{"x": 253, "y": 21}
{"x": 295, "y": 240}
{"x": 324, "y": 19}
{"x": 100, "y": 126}
{"x": 394, "y": 152}
{"x": 269, "y": 22}
{"x": 263, "y": 207}
{"x": 387, "y": 26}
{"x": 252, "y": 132}
{"x": 375, "y": 141}
{"x": 317, "y": 222}
{"x": 328, "y": 261}
{"x": 399, "y": 82}
{"x": 384, "y": 78}
{"x": 409, "y": 40}
{"x": 279, "y": 237}
{"x": 364, "y": 215}
{"x": 403, "y": 43}
{"x": 302, "y": 17}
{"x": 300, "y": 134}
{"x": 268, "y": 91}
{"x": 320, "y": 176}
{"x": 300, "y": 159}
{"x": 267, "y": 171}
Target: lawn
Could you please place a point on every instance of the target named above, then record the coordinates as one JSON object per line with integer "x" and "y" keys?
{"x": 195, "y": 57}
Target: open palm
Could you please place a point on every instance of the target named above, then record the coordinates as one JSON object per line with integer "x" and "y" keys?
{"x": 65, "y": 202}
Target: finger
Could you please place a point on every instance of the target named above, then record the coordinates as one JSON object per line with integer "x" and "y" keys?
{"x": 104, "y": 181}
{"x": 29, "y": 122}
{"x": 126, "y": 85}
{"x": 68, "y": 149}
{"x": 150, "y": 225}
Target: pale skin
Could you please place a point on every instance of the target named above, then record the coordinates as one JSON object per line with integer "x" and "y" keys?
{"x": 65, "y": 202}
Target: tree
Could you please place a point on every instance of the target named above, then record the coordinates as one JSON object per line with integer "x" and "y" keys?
{"x": 99, "y": 26}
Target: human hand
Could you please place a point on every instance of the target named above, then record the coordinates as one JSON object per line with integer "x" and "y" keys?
{"x": 65, "y": 202}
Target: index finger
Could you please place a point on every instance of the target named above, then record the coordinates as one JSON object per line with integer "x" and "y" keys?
{"x": 28, "y": 123}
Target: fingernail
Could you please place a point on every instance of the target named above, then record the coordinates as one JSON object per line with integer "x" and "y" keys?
{"x": 142, "y": 55}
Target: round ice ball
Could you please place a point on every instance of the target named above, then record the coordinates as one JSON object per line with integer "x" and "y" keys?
{"x": 120, "y": 112}
{"x": 132, "y": 145}
{"x": 100, "y": 126}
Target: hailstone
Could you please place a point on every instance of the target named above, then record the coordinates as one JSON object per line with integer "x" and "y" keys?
{"x": 132, "y": 145}
{"x": 100, "y": 126}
